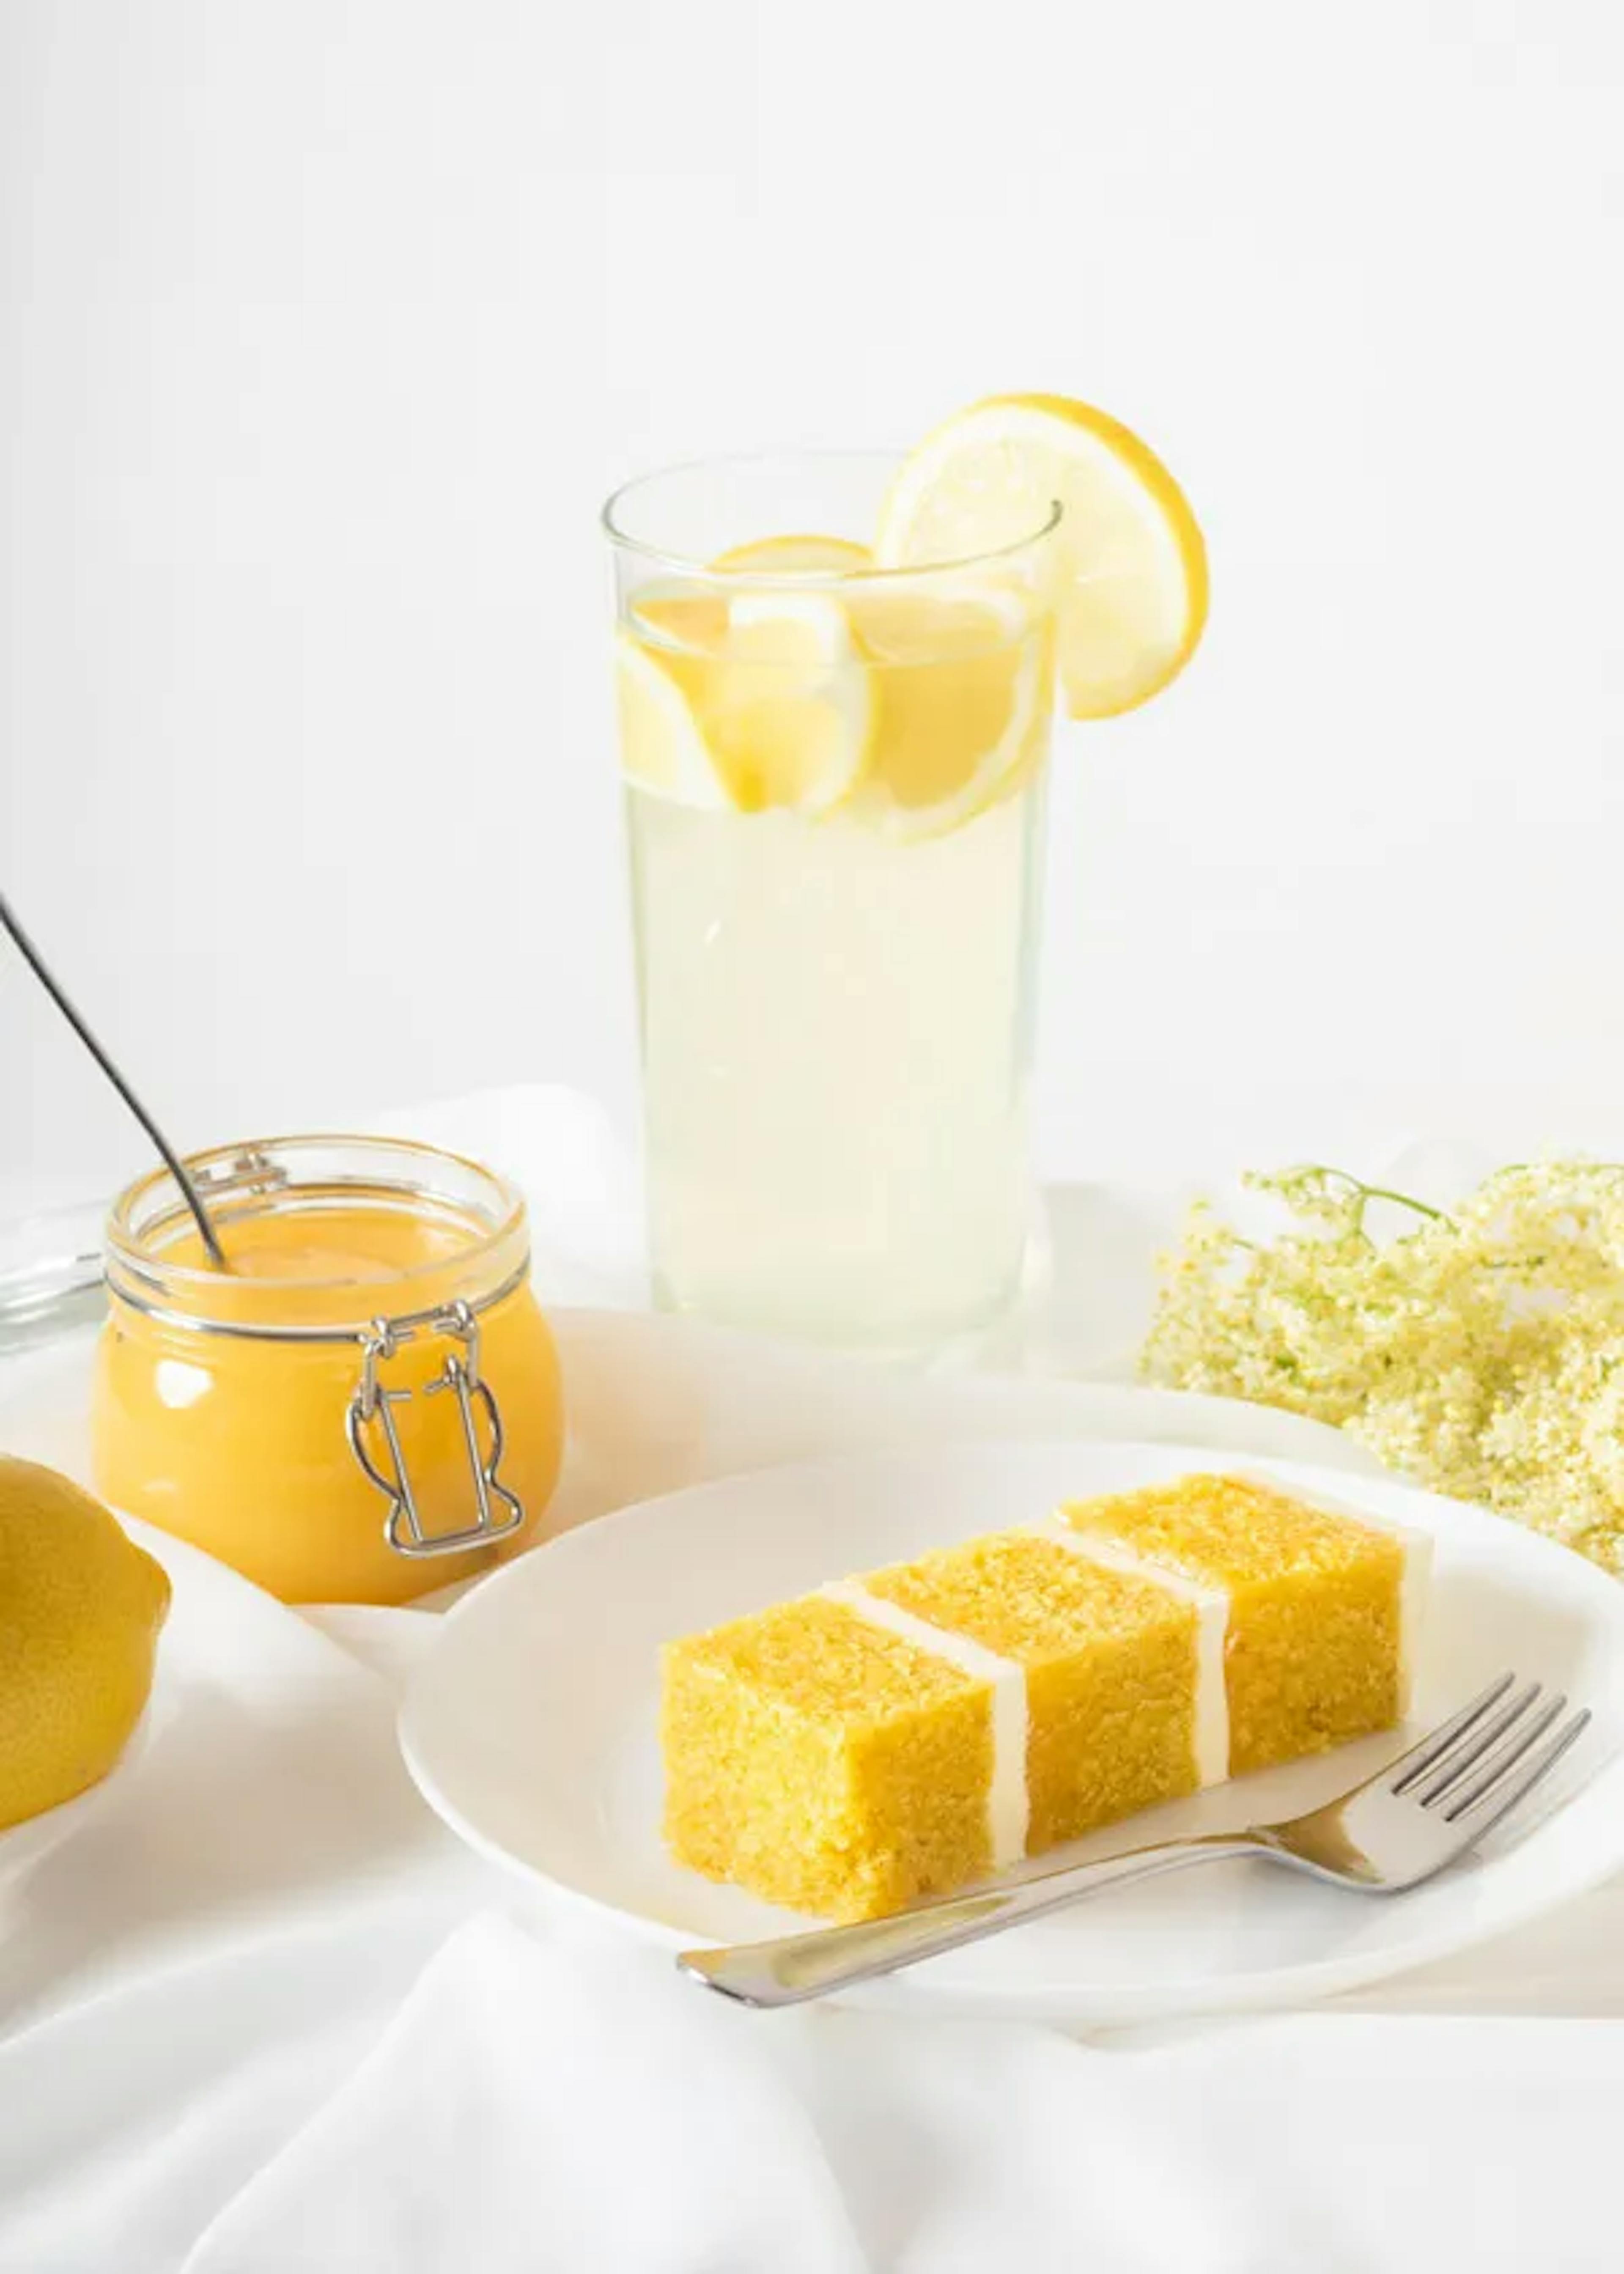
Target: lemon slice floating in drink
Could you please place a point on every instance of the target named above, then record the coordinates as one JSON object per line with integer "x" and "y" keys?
{"x": 788, "y": 709}
{"x": 1132, "y": 599}
{"x": 663, "y": 749}
{"x": 796, "y": 556}
{"x": 890, "y": 706}
{"x": 961, "y": 685}
{"x": 749, "y": 701}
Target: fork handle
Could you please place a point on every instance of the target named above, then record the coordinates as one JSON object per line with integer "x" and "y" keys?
{"x": 795, "y": 1967}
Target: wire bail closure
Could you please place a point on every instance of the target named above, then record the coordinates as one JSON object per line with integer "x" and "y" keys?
{"x": 403, "y": 1525}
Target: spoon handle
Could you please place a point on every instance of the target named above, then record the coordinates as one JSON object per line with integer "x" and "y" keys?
{"x": 41, "y": 971}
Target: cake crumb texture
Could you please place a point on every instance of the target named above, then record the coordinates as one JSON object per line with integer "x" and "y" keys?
{"x": 824, "y": 1764}
{"x": 1110, "y": 1668}
{"x": 1313, "y": 1656}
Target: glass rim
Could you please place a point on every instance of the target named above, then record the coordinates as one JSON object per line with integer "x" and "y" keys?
{"x": 685, "y": 564}
{"x": 128, "y": 1255}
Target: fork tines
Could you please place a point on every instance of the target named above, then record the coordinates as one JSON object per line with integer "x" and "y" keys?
{"x": 1495, "y": 1739}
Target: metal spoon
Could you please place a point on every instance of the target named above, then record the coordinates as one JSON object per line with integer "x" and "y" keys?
{"x": 189, "y": 1192}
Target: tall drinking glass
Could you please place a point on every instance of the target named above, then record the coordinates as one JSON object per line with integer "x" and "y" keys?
{"x": 835, "y": 778}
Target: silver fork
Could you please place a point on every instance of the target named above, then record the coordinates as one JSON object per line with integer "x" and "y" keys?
{"x": 1392, "y": 1832}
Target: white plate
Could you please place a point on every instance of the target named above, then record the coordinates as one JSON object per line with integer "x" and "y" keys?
{"x": 531, "y": 1728}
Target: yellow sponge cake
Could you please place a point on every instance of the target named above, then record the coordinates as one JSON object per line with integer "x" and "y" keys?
{"x": 893, "y": 1735}
{"x": 1093, "y": 1651}
{"x": 1316, "y": 1650}
{"x": 822, "y": 1761}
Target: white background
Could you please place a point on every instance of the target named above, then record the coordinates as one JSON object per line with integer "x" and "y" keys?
{"x": 324, "y": 326}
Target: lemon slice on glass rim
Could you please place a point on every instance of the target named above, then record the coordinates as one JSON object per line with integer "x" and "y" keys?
{"x": 1132, "y": 588}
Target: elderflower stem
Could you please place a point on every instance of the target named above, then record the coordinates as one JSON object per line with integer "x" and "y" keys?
{"x": 1365, "y": 1193}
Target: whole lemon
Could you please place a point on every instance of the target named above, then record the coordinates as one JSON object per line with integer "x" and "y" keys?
{"x": 80, "y": 1608}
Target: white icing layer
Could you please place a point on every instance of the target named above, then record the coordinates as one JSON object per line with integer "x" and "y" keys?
{"x": 1007, "y": 1804}
{"x": 1211, "y": 1612}
{"x": 1412, "y": 1597}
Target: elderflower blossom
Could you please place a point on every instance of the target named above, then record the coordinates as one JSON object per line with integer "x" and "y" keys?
{"x": 1482, "y": 1353}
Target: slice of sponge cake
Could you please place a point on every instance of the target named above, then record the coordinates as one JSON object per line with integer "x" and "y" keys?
{"x": 893, "y": 1735}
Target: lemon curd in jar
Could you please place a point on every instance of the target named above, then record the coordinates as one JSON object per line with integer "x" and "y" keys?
{"x": 226, "y": 1403}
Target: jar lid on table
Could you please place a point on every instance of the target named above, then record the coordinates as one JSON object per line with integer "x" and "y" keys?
{"x": 50, "y": 1274}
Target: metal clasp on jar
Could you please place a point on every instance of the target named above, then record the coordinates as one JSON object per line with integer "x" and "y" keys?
{"x": 403, "y": 1526}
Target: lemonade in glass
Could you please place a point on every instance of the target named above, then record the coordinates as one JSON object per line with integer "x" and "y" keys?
{"x": 835, "y": 755}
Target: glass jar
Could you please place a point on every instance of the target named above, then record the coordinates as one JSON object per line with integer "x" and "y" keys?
{"x": 367, "y": 1405}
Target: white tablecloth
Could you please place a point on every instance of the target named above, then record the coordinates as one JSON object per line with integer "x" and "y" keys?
{"x": 263, "y": 2012}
